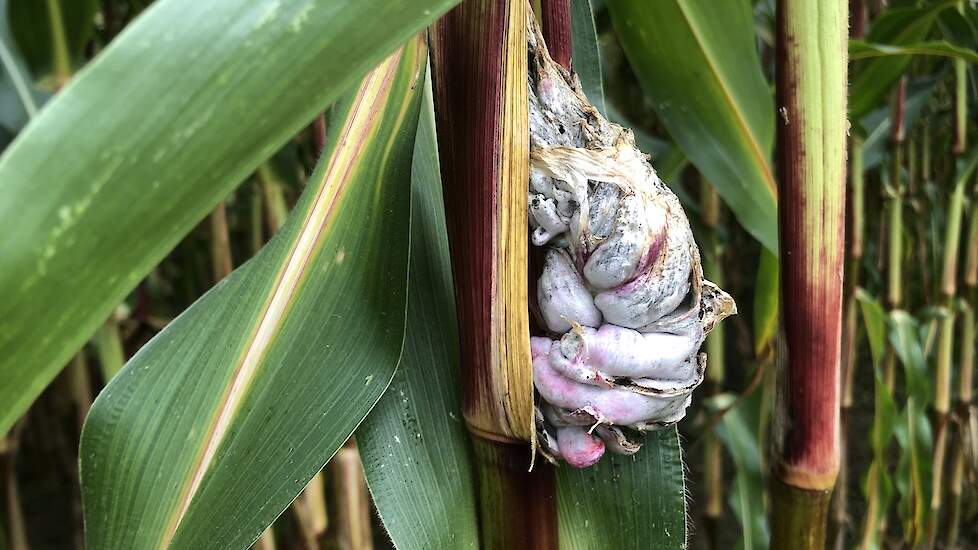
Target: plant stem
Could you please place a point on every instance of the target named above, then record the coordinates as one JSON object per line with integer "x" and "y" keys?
{"x": 310, "y": 509}
{"x": 894, "y": 256}
{"x": 80, "y": 386}
{"x": 256, "y": 218}
{"x": 812, "y": 40}
{"x": 16, "y": 528}
{"x": 266, "y": 541}
{"x": 960, "y": 100}
{"x": 556, "y": 18}
{"x": 504, "y": 481}
{"x": 108, "y": 347}
{"x": 271, "y": 185}
{"x": 712, "y": 449}
{"x": 966, "y": 375}
{"x": 875, "y": 518}
{"x": 62, "y": 58}
{"x": 220, "y": 241}
{"x": 850, "y": 330}
{"x": 479, "y": 76}
{"x": 949, "y": 275}
{"x": 351, "y": 525}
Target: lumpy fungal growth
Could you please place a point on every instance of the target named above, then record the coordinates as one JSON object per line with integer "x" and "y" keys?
{"x": 621, "y": 296}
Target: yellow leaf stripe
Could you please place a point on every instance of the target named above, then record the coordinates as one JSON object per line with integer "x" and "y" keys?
{"x": 365, "y": 114}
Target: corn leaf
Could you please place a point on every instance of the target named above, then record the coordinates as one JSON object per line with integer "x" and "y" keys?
{"x": 697, "y": 62}
{"x": 866, "y": 50}
{"x": 739, "y": 432}
{"x": 913, "y": 432}
{"x": 212, "y": 429}
{"x": 766, "y": 299}
{"x": 874, "y": 319}
{"x": 625, "y": 502}
{"x": 145, "y": 140}
{"x": 873, "y": 78}
{"x": 414, "y": 444}
{"x": 878, "y": 478}
{"x": 586, "y": 56}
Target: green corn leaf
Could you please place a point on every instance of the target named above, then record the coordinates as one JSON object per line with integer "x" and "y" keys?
{"x": 872, "y": 79}
{"x": 585, "y": 55}
{"x": 698, "y": 64}
{"x": 51, "y": 35}
{"x": 767, "y": 296}
{"x": 874, "y": 319}
{"x": 913, "y": 432}
{"x": 738, "y": 430}
{"x": 211, "y": 430}
{"x": 625, "y": 502}
{"x": 865, "y": 50}
{"x": 906, "y": 341}
{"x": 186, "y": 102}
{"x": 414, "y": 444}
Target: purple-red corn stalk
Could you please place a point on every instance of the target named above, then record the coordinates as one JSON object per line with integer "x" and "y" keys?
{"x": 811, "y": 134}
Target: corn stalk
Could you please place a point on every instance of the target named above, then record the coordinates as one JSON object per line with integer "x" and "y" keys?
{"x": 712, "y": 446}
{"x": 966, "y": 438}
{"x": 478, "y": 56}
{"x": 949, "y": 276}
{"x": 811, "y": 97}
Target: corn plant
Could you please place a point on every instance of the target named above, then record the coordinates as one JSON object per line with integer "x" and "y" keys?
{"x": 487, "y": 274}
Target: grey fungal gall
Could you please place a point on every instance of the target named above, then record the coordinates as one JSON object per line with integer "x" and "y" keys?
{"x": 621, "y": 294}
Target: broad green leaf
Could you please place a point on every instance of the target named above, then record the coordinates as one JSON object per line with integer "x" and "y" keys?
{"x": 212, "y": 429}
{"x": 698, "y": 64}
{"x": 738, "y": 431}
{"x": 414, "y": 444}
{"x": 51, "y": 35}
{"x": 865, "y": 50}
{"x": 767, "y": 295}
{"x": 625, "y": 502}
{"x": 585, "y": 55}
{"x": 874, "y": 319}
{"x": 872, "y": 79}
{"x": 142, "y": 144}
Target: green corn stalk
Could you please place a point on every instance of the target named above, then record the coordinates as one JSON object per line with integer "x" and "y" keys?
{"x": 712, "y": 447}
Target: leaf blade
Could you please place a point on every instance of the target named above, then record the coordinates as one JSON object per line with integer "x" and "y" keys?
{"x": 114, "y": 207}
{"x": 637, "y": 501}
{"x": 866, "y": 50}
{"x": 241, "y": 400}
{"x": 716, "y": 103}
{"x": 414, "y": 444}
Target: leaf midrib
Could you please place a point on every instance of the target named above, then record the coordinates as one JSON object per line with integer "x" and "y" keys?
{"x": 332, "y": 183}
